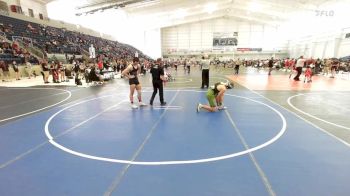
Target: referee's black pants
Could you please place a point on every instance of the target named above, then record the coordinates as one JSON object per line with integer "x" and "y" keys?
{"x": 205, "y": 78}
{"x": 158, "y": 84}
{"x": 299, "y": 70}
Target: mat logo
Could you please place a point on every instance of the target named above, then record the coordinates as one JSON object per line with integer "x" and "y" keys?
{"x": 326, "y": 13}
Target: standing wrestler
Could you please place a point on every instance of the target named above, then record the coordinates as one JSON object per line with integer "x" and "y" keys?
{"x": 131, "y": 72}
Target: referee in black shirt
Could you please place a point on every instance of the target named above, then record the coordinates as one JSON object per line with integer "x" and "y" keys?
{"x": 157, "y": 72}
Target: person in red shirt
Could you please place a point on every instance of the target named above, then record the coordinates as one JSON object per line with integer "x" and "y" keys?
{"x": 100, "y": 65}
{"x": 286, "y": 64}
{"x": 308, "y": 74}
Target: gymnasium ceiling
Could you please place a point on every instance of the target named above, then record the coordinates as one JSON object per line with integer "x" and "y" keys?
{"x": 174, "y": 12}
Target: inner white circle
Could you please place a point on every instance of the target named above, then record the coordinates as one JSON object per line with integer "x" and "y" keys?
{"x": 24, "y": 114}
{"x": 310, "y": 115}
{"x": 275, "y": 138}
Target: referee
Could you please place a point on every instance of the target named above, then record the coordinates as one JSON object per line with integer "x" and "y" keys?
{"x": 205, "y": 71}
{"x": 157, "y": 72}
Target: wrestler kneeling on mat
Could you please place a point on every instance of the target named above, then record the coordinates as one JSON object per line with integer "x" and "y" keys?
{"x": 215, "y": 93}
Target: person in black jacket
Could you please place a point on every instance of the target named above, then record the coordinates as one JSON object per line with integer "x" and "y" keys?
{"x": 270, "y": 65}
{"x": 157, "y": 72}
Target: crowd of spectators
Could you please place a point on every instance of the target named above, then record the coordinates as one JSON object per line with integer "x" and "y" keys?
{"x": 10, "y": 52}
{"x": 114, "y": 54}
{"x": 51, "y": 40}
{"x": 59, "y": 40}
{"x": 326, "y": 66}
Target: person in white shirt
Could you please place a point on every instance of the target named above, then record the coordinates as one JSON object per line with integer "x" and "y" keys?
{"x": 92, "y": 52}
{"x": 29, "y": 69}
{"x": 299, "y": 67}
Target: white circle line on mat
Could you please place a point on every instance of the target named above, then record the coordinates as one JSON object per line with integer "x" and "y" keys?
{"x": 310, "y": 115}
{"x": 24, "y": 114}
{"x": 175, "y": 162}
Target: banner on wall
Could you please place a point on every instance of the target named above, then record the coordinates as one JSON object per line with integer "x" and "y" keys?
{"x": 224, "y": 40}
{"x": 249, "y": 49}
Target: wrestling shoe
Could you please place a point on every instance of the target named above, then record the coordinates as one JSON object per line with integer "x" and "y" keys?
{"x": 199, "y": 106}
{"x": 133, "y": 106}
{"x": 142, "y": 104}
{"x": 222, "y": 107}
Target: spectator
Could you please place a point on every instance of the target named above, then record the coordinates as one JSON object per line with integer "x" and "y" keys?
{"x": 1, "y": 71}
{"x": 62, "y": 69}
{"x": 29, "y": 69}
{"x": 318, "y": 64}
{"x": 15, "y": 68}
{"x": 5, "y": 71}
{"x": 270, "y": 63}
{"x": 45, "y": 71}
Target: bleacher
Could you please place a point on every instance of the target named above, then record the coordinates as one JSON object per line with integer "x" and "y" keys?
{"x": 9, "y": 58}
{"x": 61, "y": 41}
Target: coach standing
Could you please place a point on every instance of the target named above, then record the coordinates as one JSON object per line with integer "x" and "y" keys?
{"x": 157, "y": 71}
{"x": 205, "y": 64}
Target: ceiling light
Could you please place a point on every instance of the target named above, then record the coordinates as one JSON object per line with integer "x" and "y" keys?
{"x": 210, "y": 7}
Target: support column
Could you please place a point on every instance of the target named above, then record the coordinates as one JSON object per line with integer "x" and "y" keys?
{"x": 324, "y": 49}
{"x": 337, "y": 42}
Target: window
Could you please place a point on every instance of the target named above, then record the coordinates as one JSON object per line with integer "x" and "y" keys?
{"x": 31, "y": 13}
{"x": 41, "y": 16}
